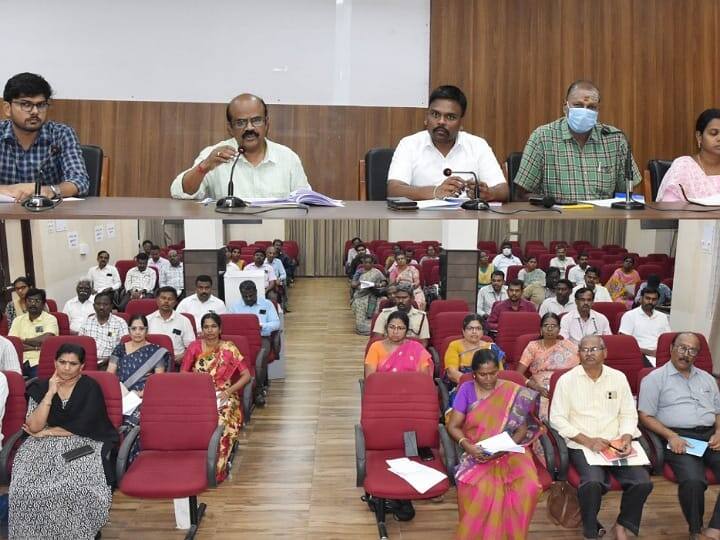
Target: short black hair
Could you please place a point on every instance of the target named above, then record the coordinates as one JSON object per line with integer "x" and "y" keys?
{"x": 484, "y": 356}
{"x": 259, "y": 250}
{"x": 583, "y": 290}
{"x": 71, "y": 348}
{"x": 703, "y": 120}
{"x": 649, "y": 290}
{"x": 516, "y": 283}
{"x": 154, "y": 246}
{"x": 26, "y": 85}
{"x": 497, "y": 273}
{"x": 167, "y": 289}
{"x": 553, "y": 270}
{"x": 248, "y": 285}
{"x": 593, "y": 269}
{"x": 23, "y": 279}
{"x": 101, "y": 252}
{"x": 505, "y": 244}
{"x": 453, "y": 93}
{"x": 142, "y": 256}
{"x": 36, "y": 292}
{"x": 470, "y": 317}
{"x": 398, "y": 315}
{"x": 147, "y": 242}
{"x": 549, "y": 315}
{"x": 214, "y": 316}
{"x": 685, "y": 333}
{"x": 653, "y": 280}
{"x": 581, "y": 83}
{"x": 202, "y": 278}
{"x": 138, "y": 316}
{"x": 102, "y": 294}
{"x": 565, "y": 282}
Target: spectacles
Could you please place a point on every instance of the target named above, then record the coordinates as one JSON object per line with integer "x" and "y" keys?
{"x": 473, "y": 328}
{"x": 255, "y": 121}
{"x": 397, "y": 328}
{"x": 587, "y": 350}
{"x": 27, "y": 106}
{"x": 67, "y": 363}
{"x": 690, "y": 351}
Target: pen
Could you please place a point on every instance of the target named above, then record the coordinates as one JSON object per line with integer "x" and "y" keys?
{"x": 616, "y": 449}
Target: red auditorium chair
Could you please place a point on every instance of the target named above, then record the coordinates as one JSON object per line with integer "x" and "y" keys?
{"x": 582, "y": 246}
{"x": 51, "y": 304}
{"x": 123, "y": 266}
{"x": 703, "y": 360}
{"x": 63, "y": 322}
{"x": 434, "y": 278}
{"x": 191, "y": 318}
{"x": 49, "y": 347}
{"x": 611, "y": 310}
{"x": 179, "y": 441}
{"x": 413, "y": 399}
{"x": 439, "y": 306}
{"x": 624, "y": 354}
{"x": 124, "y": 316}
{"x": 612, "y": 247}
{"x": 236, "y": 244}
{"x": 647, "y": 269}
{"x": 263, "y": 243}
{"x": 534, "y": 244}
{"x": 544, "y": 260}
{"x": 3, "y": 325}
{"x": 247, "y": 250}
{"x": 487, "y": 245}
{"x": 427, "y": 266}
{"x": 111, "y": 392}
{"x": 512, "y": 325}
{"x": 446, "y": 324}
{"x": 246, "y": 324}
{"x": 161, "y": 340}
{"x": 512, "y": 272}
{"x": 241, "y": 342}
{"x": 291, "y": 249}
{"x": 606, "y": 271}
{"x": 668, "y": 282}
{"x": 12, "y": 422}
{"x": 19, "y": 347}
{"x": 141, "y": 306}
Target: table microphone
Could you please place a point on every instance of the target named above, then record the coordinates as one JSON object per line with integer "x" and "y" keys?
{"x": 230, "y": 202}
{"x": 475, "y": 203}
{"x": 38, "y": 202}
{"x": 628, "y": 203}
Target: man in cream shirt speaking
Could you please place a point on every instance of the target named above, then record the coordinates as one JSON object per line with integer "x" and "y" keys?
{"x": 265, "y": 168}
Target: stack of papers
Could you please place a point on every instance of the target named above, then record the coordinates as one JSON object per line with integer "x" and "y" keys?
{"x": 695, "y": 447}
{"x": 502, "y": 442}
{"x": 299, "y": 196}
{"x": 130, "y": 402}
{"x": 448, "y": 203}
{"x": 419, "y": 476}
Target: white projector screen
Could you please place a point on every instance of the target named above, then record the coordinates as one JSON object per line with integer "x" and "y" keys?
{"x": 312, "y": 52}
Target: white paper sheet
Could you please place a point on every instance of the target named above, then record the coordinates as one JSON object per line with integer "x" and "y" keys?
{"x": 502, "y": 442}
{"x": 607, "y": 203}
{"x": 130, "y": 402}
{"x": 419, "y": 476}
{"x": 595, "y": 458}
{"x": 713, "y": 200}
{"x": 366, "y": 284}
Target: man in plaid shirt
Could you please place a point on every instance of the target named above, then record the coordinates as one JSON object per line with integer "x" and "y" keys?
{"x": 575, "y": 158}
{"x": 27, "y": 140}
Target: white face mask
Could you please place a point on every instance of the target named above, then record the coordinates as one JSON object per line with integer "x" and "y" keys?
{"x": 507, "y": 252}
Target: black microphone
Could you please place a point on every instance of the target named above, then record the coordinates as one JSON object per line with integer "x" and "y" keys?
{"x": 548, "y": 201}
{"x": 628, "y": 203}
{"x": 475, "y": 203}
{"x": 38, "y": 203}
{"x": 230, "y": 202}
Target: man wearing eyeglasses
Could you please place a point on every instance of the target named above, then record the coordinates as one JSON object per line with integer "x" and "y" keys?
{"x": 584, "y": 321}
{"x": 32, "y": 146}
{"x": 264, "y": 168}
{"x": 681, "y": 404}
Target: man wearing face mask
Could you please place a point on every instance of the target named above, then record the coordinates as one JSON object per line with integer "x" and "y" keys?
{"x": 576, "y": 158}
{"x": 265, "y": 168}
{"x": 505, "y": 258}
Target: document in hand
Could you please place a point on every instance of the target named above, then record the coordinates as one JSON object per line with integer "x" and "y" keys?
{"x": 130, "y": 402}
{"x": 366, "y": 284}
{"x": 419, "y": 476}
{"x": 639, "y": 457}
{"x": 695, "y": 447}
{"x": 501, "y": 442}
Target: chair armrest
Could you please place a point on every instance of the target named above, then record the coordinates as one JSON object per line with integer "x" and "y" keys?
{"x": 122, "y": 457}
{"x": 361, "y": 383}
{"x": 436, "y": 361}
{"x": 212, "y": 456}
{"x": 563, "y": 458}
{"x": 8, "y": 447}
{"x": 549, "y": 452}
{"x": 359, "y": 455}
{"x": 444, "y": 396}
{"x": 450, "y": 455}
{"x": 653, "y": 440}
{"x": 30, "y": 381}
{"x": 276, "y": 342}
{"x": 247, "y": 400}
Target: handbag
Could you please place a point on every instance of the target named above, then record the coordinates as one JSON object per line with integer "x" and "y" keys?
{"x": 563, "y": 506}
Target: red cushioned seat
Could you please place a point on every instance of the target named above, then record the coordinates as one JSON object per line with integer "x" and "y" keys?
{"x": 512, "y": 325}
{"x": 154, "y": 474}
{"x": 388, "y": 485}
{"x": 611, "y": 311}
{"x": 141, "y": 306}
{"x": 49, "y": 347}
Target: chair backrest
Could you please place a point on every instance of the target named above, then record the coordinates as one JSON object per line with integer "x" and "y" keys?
{"x": 16, "y": 404}
{"x": 513, "y": 376}
{"x": 377, "y": 165}
{"x": 141, "y": 306}
{"x": 487, "y": 245}
{"x": 236, "y": 244}
{"x": 394, "y": 403}
{"x": 606, "y": 271}
{"x": 513, "y": 166}
{"x": 51, "y": 304}
{"x": 611, "y": 311}
{"x": 244, "y": 324}
{"x": 624, "y": 354}
{"x": 241, "y": 342}
{"x": 291, "y": 249}
{"x": 521, "y": 342}
{"x": 544, "y": 260}
{"x": 63, "y": 322}
{"x": 46, "y": 365}
{"x": 434, "y": 276}
{"x": 658, "y": 168}
{"x": 123, "y": 265}
{"x": 646, "y": 270}
{"x": 644, "y": 372}
{"x": 511, "y": 325}
{"x": 512, "y": 272}
{"x": 179, "y": 412}
{"x": 19, "y": 347}
{"x": 161, "y": 340}
{"x": 703, "y": 360}
{"x": 446, "y": 324}
{"x": 553, "y": 381}
{"x": 110, "y": 385}
{"x": 190, "y": 317}
{"x": 93, "y": 157}
{"x": 438, "y": 306}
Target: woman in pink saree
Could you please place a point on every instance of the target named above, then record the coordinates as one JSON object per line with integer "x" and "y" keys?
{"x": 404, "y": 273}
{"x": 624, "y": 282}
{"x": 396, "y": 352}
{"x": 497, "y": 493}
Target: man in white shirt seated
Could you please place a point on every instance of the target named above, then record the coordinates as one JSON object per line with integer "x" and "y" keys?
{"x": 593, "y": 410}
{"x": 489, "y": 294}
{"x": 263, "y": 169}
{"x": 156, "y": 261}
{"x": 259, "y": 265}
{"x": 140, "y": 281}
{"x": 583, "y": 321}
{"x": 281, "y": 276}
{"x": 173, "y": 275}
{"x": 9, "y": 360}
{"x": 202, "y": 302}
{"x": 417, "y": 166}
{"x": 561, "y": 303}
{"x": 561, "y": 261}
{"x": 105, "y": 328}
{"x": 171, "y": 323}
{"x": 577, "y": 273}
{"x": 505, "y": 259}
{"x": 78, "y": 309}
{"x": 592, "y": 282}
{"x": 104, "y": 276}
{"x": 646, "y": 324}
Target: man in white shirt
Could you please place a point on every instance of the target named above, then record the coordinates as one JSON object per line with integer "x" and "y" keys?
{"x": 561, "y": 303}
{"x": 202, "y": 302}
{"x": 646, "y": 324}
{"x": 280, "y": 289}
{"x": 505, "y": 258}
{"x": 173, "y": 275}
{"x": 489, "y": 294}
{"x": 583, "y": 321}
{"x": 156, "y": 261}
{"x": 259, "y": 265}
{"x": 263, "y": 169}
{"x": 173, "y": 324}
{"x": 577, "y": 273}
{"x": 592, "y": 282}
{"x": 418, "y": 164}
{"x": 561, "y": 261}
{"x": 78, "y": 309}
{"x": 104, "y": 276}
{"x": 9, "y": 360}
{"x": 140, "y": 281}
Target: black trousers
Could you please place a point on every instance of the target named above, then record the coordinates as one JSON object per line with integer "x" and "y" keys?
{"x": 690, "y": 475}
{"x": 595, "y": 482}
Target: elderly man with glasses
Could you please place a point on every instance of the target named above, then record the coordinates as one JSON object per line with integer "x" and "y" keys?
{"x": 263, "y": 168}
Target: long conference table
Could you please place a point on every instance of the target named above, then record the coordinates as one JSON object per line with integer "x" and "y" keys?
{"x": 167, "y": 208}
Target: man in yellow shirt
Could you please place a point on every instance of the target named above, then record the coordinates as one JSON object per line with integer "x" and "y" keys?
{"x": 33, "y": 328}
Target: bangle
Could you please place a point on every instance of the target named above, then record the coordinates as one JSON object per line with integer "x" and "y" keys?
{"x": 202, "y": 169}
{"x": 461, "y": 441}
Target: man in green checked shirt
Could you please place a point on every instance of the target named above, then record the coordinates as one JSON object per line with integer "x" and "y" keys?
{"x": 575, "y": 158}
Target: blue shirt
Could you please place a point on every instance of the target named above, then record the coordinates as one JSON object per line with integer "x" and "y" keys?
{"x": 265, "y": 312}
{"x": 279, "y": 269}
{"x": 19, "y": 166}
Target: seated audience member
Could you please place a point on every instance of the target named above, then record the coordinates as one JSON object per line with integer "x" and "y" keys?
{"x": 533, "y": 279}
{"x": 583, "y": 321}
{"x": 289, "y": 264}
{"x": 419, "y": 327}
{"x": 280, "y": 274}
{"x": 361, "y": 251}
{"x": 505, "y": 258}
{"x": 78, "y": 309}
{"x": 575, "y": 158}
{"x": 592, "y": 283}
{"x": 699, "y": 175}
{"x": 390, "y": 291}
{"x": 9, "y": 361}
{"x": 173, "y": 274}
{"x": 50, "y": 497}
{"x": 431, "y": 254}
{"x": 497, "y": 493}
{"x": 396, "y": 352}
{"x": 155, "y": 260}
{"x": 552, "y": 277}
{"x": 18, "y": 305}
{"x": 223, "y": 361}
{"x": 29, "y": 139}
{"x": 366, "y": 298}
{"x": 561, "y": 261}
{"x": 403, "y": 273}
{"x": 490, "y": 294}
{"x": 460, "y": 352}
{"x": 561, "y": 303}
{"x": 171, "y": 323}
{"x": 353, "y": 252}
{"x": 202, "y": 302}
{"x": 543, "y": 356}
{"x": 485, "y": 269}
{"x": 679, "y": 402}
{"x": 104, "y": 276}
{"x": 584, "y": 416}
{"x": 140, "y": 281}
{"x": 514, "y": 302}
{"x": 664, "y": 292}
{"x": 390, "y": 259}
{"x": 624, "y": 282}
{"x": 576, "y": 274}
{"x": 646, "y": 324}
{"x": 417, "y": 166}
{"x": 235, "y": 264}
{"x": 147, "y": 247}
{"x": 33, "y": 328}
{"x": 263, "y": 168}
{"x": 259, "y": 265}
{"x": 105, "y": 328}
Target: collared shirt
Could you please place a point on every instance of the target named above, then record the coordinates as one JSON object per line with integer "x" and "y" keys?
{"x": 173, "y": 276}
{"x": 499, "y": 307}
{"x": 528, "y": 278}
{"x": 664, "y": 293}
{"x": 160, "y": 264}
{"x": 554, "y": 164}
{"x": 18, "y": 166}
{"x": 418, "y": 162}
{"x": 501, "y": 262}
{"x": 265, "y": 268}
{"x": 24, "y": 328}
{"x": 9, "y": 360}
{"x": 555, "y": 262}
{"x": 277, "y": 175}
{"x": 104, "y": 278}
{"x": 107, "y": 335}
{"x": 142, "y": 281}
{"x": 601, "y": 408}
{"x": 572, "y": 326}
{"x": 646, "y": 330}
{"x": 197, "y": 309}
{"x": 279, "y": 269}
{"x": 576, "y": 275}
{"x": 78, "y": 312}
{"x": 265, "y": 312}
{"x": 551, "y": 305}
{"x": 601, "y": 293}
{"x": 487, "y": 297}
{"x": 177, "y": 327}
{"x": 677, "y": 401}
{"x": 419, "y": 325}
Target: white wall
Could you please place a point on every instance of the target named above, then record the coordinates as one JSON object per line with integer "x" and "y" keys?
{"x": 645, "y": 241}
{"x": 415, "y": 230}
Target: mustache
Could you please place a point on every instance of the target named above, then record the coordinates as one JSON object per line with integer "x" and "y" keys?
{"x": 438, "y": 129}
{"x": 250, "y": 134}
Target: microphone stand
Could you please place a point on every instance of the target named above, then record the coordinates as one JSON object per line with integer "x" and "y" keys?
{"x": 629, "y": 203}
{"x": 38, "y": 202}
{"x": 226, "y": 205}
{"x": 476, "y": 203}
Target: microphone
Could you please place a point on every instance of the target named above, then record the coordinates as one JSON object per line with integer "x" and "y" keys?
{"x": 38, "y": 203}
{"x": 628, "y": 203}
{"x": 548, "y": 201}
{"x": 230, "y": 202}
{"x": 476, "y": 203}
